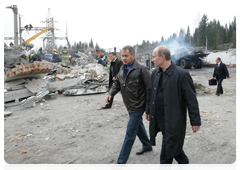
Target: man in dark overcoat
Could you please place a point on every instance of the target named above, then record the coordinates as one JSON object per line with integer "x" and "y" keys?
{"x": 220, "y": 72}
{"x": 170, "y": 94}
{"x": 113, "y": 71}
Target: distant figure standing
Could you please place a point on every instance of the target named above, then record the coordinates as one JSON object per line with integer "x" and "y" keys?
{"x": 220, "y": 72}
{"x": 113, "y": 71}
{"x": 30, "y": 27}
{"x": 40, "y": 50}
{"x": 11, "y": 44}
{"x": 64, "y": 54}
{"x": 26, "y": 27}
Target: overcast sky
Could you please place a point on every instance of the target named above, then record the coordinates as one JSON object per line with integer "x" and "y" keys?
{"x": 116, "y": 23}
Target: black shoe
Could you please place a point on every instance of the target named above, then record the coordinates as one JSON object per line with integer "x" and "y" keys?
{"x": 144, "y": 150}
{"x": 218, "y": 94}
{"x": 105, "y": 107}
{"x": 178, "y": 167}
{"x": 117, "y": 166}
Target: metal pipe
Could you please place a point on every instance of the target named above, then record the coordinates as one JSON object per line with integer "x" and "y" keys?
{"x": 20, "y": 32}
{"x": 15, "y": 11}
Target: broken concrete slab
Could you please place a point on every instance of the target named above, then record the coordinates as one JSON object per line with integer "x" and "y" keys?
{"x": 60, "y": 76}
{"x": 7, "y": 113}
{"x": 36, "y": 85}
{"x": 11, "y": 84}
{"x": 61, "y": 85}
{"x": 16, "y": 95}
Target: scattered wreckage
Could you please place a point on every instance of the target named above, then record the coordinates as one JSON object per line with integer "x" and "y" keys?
{"x": 24, "y": 88}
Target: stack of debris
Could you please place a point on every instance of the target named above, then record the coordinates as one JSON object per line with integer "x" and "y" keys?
{"x": 82, "y": 79}
{"x": 78, "y": 80}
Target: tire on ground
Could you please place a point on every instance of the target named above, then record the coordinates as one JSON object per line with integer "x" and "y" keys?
{"x": 184, "y": 63}
{"x": 198, "y": 64}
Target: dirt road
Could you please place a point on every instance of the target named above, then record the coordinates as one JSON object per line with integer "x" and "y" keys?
{"x": 72, "y": 130}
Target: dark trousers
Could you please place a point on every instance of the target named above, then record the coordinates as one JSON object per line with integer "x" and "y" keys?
{"x": 181, "y": 158}
{"x": 135, "y": 128}
{"x": 110, "y": 101}
{"x": 219, "y": 86}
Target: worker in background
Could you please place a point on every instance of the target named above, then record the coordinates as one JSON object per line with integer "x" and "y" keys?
{"x": 72, "y": 61}
{"x": 55, "y": 57}
{"x": 40, "y": 50}
{"x": 30, "y": 27}
{"x": 64, "y": 54}
{"x": 5, "y": 45}
{"x": 34, "y": 57}
{"x": 26, "y": 27}
{"x": 101, "y": 60}
{"x": 11, "y": 44}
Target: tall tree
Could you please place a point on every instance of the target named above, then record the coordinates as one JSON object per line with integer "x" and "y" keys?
{"x": 202, "y": 30}
{"x": 187, "y": 37}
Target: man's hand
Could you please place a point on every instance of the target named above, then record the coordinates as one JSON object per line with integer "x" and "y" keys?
{"x": 195, "y": 128}
{"x": 113, "y": 78}
{"x": 227, "y": 77}
{"x": 108, "y": 98}
{"x": 212, "y": 77}
{"x": 147, "y": 117}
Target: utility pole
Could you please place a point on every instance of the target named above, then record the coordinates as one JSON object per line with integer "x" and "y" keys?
{"x": 20, "y": 31}
{"x": 15, "y": 11}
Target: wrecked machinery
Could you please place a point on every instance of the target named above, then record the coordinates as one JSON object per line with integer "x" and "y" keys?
{"x": 186, "y": 57}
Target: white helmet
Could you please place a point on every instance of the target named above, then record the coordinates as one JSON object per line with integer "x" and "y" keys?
{"x": 69, "y": 56}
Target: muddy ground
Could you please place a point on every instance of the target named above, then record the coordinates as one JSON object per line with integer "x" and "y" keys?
{"x": 71, "y": 130}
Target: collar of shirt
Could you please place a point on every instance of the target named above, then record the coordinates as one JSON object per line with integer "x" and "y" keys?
{"x": 167, "y": 70}
{"x": 219, "y": 63}
{"x": 114, "y": 60}
{"x": 129, "y": 66}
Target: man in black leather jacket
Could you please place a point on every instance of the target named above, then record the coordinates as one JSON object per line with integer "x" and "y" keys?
{"x": 132, "y": 80}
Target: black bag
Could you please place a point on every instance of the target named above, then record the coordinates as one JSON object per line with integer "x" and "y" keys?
{"x": 212, "y": 82}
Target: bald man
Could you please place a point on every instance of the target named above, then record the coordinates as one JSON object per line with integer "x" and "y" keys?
{"x": 169, "y": 95}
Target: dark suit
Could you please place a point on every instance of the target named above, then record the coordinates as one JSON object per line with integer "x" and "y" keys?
{"x": 114, "y": 69}
{"x": 220, "y": 72}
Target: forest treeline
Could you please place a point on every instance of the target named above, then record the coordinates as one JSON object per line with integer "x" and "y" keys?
{"x": 210, "y": 33}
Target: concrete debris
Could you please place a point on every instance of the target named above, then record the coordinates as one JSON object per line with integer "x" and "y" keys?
{"x": 7, "y": 113}
{"x": 16, "y": 95}
{"x": 36, "y": 85}
{"x": 61, "y": 85}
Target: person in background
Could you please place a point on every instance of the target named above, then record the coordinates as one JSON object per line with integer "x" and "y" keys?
{"x": 11, "y": 44}
{"x": 170, "y": 94}
{"x": 113, "y": 71}
{"x": 26, "y": 27}
{"x": 30, "y": 27}
{"x": 101, "y": 60}
{"x": 132, "y": 80}
{"x": 220, "y": 72}
{"x": 64, "y": 54}
{"x": 40, "y": 50}
{"x": 72, "y": 61}
{"x": 55, "y": 57}
{"x": 34, "y": 57}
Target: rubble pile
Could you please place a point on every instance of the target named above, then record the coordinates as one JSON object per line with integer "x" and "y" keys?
{"x": 90, "y": 78}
